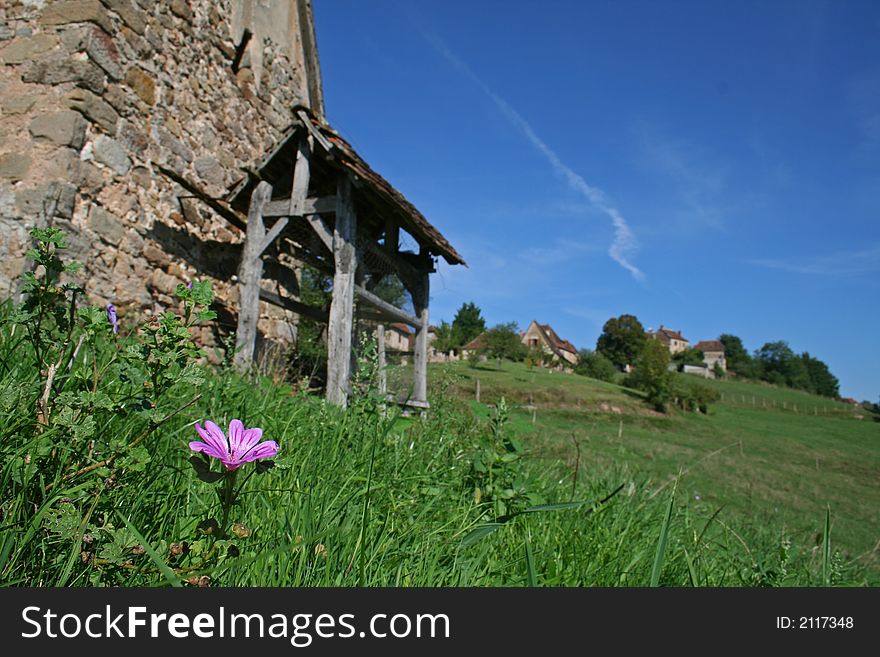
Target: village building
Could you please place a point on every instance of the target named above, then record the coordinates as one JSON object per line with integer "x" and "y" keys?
{"x": 713, "y": 353}
{"x": 186, "y": 140}
{"x": 674, "y": 341}
{"x": 399, "y": 337}
{"x": 543, "y": 338}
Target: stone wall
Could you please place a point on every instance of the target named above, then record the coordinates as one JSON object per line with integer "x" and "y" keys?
{"x": 94, "y": 94}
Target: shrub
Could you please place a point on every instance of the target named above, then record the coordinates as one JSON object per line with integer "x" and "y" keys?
{"x": 595, "y": 365}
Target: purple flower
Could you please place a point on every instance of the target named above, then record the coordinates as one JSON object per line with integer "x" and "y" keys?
{"x": 111, "y": 316}
{"x": 242, "y": 447}
{"x": 189, "y": 285}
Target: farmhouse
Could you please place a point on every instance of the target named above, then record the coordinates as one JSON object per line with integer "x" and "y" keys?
{"x": 399, "y": 337}
{"x": 544, "y": 338}
{"x": 713, "y": 352}
{"x": 672, "y": 340}
{"x": 187, "y": 140}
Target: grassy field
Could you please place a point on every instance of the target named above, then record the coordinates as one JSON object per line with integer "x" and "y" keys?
{"x": 769, "y": 458}
{"x": 547, "y": 480}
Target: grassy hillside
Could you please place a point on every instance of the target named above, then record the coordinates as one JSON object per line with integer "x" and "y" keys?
{"x": 770, "y": 458}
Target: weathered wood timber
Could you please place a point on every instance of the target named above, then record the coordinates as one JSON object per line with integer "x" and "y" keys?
{"x": 342, "y": 306}
{"x": 391, "y": 311}
{"x": 420, "y": 294}
{"x": 383, "y": 375}
{"x": 250, "y": 272}
{"x": 293, "y": 305}
{"x": 311, "y": 205}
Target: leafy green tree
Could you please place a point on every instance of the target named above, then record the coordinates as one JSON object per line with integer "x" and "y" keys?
{"x": 718, "y": 371}
{"x": 651, "y": 374}
{"x": 622, "y": 340}
{"x": 468, "y": 323}
{"x": 595, "y": 365}
{"x": 738, "y": 360}
{"x": 689, "y": 356}
{"x": 446, "y": 339}
{"x": 390, "y": 289}
{"x": 503, "y": 342}
{"x": 774, "y": 361}
{"x": 822, "y": 380}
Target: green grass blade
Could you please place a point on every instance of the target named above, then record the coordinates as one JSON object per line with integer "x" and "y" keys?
{"x": 826, "y": 549}
{"x": 479, "y": 533}
{"x": 163, "y": 567}
{"x": 531, "y": 576}
{"x": 664, "y": 538}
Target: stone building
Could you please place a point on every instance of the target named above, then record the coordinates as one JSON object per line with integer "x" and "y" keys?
{"x": 106, "y": 105}
{"x": 672, "y": 340}
{"x": 713, "y": 352}
{"x": 543, "y": 337}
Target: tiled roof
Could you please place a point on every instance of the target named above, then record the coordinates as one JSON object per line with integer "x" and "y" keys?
{"x": 277, "y": 166}
{"x": 555, "y": 341}
{"x": 710, "y": 345}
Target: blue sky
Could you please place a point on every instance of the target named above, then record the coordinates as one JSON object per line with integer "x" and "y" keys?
{"x": 713, "y": 167}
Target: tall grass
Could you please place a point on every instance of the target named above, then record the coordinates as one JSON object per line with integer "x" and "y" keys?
{"x": 97, "y": 486}
{"x": 359, "y": 497}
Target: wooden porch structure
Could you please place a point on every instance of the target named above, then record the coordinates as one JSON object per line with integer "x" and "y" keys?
{"x": 315, "y": 199}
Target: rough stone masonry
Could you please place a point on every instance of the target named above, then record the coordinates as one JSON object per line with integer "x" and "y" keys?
{"x": 94, "y": 94}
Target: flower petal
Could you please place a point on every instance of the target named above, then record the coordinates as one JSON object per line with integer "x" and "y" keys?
{"x": 250, "y": 438}
{"x": 205, "y": 448}
{"x": 214, "y": 436}
{"x": 236, "y": 431}
{"x": 265, "y": 449}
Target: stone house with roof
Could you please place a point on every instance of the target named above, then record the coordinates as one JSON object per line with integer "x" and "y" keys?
{"x": 713, "y": 353}
{"x": 544, "y": 338}
{"x": 674, "y": 341}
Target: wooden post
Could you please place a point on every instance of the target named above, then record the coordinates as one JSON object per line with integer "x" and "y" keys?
{"x": 477, "y": 392}
{"x": 383, "y": 375}
{"x": 342, "y": 307}
{"x": 250, "y": 271}
{"x": 420, "y": 295}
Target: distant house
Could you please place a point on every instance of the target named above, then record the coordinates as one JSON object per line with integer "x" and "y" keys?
{"x": 399, "y": 337}
{"x": 672, "y": 340}
{"x": 713, "y": 352}
{"x": 434, "y": 354}
{"x": 543, "y": 337}
{"x": 476, "y": 345}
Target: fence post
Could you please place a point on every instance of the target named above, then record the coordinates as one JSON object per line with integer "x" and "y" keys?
{"x": 478, "y": 390}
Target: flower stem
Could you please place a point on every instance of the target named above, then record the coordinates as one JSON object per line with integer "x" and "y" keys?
{"x": 229, "y": 495}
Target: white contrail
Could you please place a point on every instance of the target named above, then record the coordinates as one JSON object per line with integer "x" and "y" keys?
{"x": 624, "y": 244}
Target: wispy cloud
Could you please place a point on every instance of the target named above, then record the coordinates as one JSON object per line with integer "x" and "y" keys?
{"x": 625, "y": 245}
{"x": 696, "y": 180}
{"x": 558, "y": 252}
{"x": 841, "y": 263}
{"x": 596, "y": 316}
{"x": 863, "y": 96}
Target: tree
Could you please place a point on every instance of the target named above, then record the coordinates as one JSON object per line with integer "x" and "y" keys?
{"x": 651, "y": 374}
{"x": 622, "y": 340}
{"x": 468, "y": 323}
{"x": 390, "y": 289}
{"x": 822, "y": 380}
{"x": 689, "y": 356}
{"x": 595, "y": 365}
{"x": 503, "y": 341}
{"x": 774, "y": 361}
{"x": 738, "y": 360}
{"x": 445, "y": 338}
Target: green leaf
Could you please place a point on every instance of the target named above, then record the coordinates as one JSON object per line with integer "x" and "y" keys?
{"x": 479, "y": 533}
{"x": 203, "y": 470}
{"x": 136, "y": 460}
